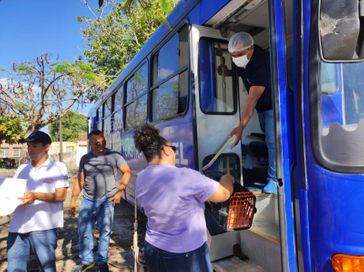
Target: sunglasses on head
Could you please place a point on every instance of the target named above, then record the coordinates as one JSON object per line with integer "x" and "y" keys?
{"x": 173, "y": 148}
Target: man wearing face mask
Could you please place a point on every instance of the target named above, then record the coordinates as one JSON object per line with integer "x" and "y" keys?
{"x": 254, "y": 68}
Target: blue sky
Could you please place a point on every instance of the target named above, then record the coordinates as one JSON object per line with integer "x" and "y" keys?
{"x": 32, "y": 27}
{"x": 29, "y": 28}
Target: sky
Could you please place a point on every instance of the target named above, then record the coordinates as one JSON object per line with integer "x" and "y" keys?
{"x": 29, "y": 28}
{"x": 32, "y": 27}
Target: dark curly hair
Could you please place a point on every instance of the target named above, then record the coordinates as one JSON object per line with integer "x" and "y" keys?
{"x": 148, "y": 141}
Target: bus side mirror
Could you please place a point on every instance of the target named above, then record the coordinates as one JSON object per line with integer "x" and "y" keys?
{"x": 341, "y": 29}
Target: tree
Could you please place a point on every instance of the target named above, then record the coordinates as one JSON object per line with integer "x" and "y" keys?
{"x": 11, "y": 128}
{"x": 41, "y": 91}
{"x": 74, "y": 124}
{"x": 166, "y": 5}
{"x": 114, "y": 39}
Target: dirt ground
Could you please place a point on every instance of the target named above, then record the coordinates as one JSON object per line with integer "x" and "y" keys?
{"x": 120, "y": 253}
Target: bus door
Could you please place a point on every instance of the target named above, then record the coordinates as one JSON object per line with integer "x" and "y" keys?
{"x": 270, "y": 242}
{"x": 216, "y": 114}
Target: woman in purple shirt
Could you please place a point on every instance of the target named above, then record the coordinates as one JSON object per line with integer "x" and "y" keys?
{"x": 173, "y": 201}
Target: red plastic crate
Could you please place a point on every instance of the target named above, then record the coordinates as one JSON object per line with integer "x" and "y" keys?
{"x": 241, "y": 211}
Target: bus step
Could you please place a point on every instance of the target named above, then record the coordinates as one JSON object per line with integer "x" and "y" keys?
{"x": 235, "y": 264}
{"x": 262, "y": 248}
{"x": 261, "y": 243}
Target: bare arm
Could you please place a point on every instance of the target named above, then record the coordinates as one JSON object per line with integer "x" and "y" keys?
{"x": 76, "y": 190}
{"x": 58, "y": 196}
{"x": 255, "y": 92}
{"x": 125, "y": 170}
{"x": 224, "y": 190}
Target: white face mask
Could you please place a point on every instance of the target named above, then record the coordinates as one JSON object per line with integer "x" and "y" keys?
{"x": 241, "y": 61}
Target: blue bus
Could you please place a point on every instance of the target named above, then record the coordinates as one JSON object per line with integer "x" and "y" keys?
{"x": 315, "y": 222}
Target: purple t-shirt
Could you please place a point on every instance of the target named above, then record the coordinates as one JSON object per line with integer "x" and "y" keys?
{"x": 173, "y": 200}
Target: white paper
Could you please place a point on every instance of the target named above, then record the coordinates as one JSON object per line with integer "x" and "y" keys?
{"x": 11, "y": 190}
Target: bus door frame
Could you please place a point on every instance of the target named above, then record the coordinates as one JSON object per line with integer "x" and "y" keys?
{"x": 284, "y": 128}
{"x": 212, "y": 131}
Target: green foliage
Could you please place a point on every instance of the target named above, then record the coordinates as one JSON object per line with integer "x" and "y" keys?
{"x": 166, "y": 6}
{"x": 83, "y": 71}
{"x": 39, "y": 91}
{"x": 114, "y": 39}
{"x": 24, "y": 69}
{"x": 73, "y": 124}
{"x": 11, "y": 128}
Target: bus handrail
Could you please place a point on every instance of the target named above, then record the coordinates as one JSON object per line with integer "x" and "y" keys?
{"x": 221, "y": 149}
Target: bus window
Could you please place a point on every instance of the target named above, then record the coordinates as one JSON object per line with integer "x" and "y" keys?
{"x": 332, "y": 96}
{"x": 112, "y": 111}
{"x": 108, "y": 107}
{"x": 118, "y": 112}
{"x": 118, "y": 101}
{"x": 216, "y": 89}
{"x": 92, "y": 122}
{"x": 118, "y": 120}
{"x": 100, "y": 118}
{"x": 137, "y": 84}
{"x": 165, "y": 62}
{"x": 136, "y": 113}
{"x": 171, "y": 57}
{"x": 226, "y": 163}
{"x": 136, "y": 98}
{"x": 354, "y": 92}
{"x": 329, "y": 79}
{"x": 95, "y": 125}
{"x": 107, "y": 125}
{"x": 99, "y": 125}
{"x": 341, "y": 116}
{"x": 166, "y": 99}
{"x": 183, "y": 47}
{"x": 170, "y": 78}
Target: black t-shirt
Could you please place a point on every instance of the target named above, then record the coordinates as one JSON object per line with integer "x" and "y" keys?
{"x": 257, "y": 73}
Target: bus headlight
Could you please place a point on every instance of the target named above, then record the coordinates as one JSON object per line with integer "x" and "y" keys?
{"x": 347, "y": 263}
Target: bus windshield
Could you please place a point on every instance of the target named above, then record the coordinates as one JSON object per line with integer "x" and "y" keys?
{"x": 341, "y": 113}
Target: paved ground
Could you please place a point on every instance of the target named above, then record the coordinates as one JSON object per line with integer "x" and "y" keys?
{"x": 121, "y": 257}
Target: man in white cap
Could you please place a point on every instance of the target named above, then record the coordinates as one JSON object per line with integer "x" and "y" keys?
{"x": 34, "y": 222}
{"x": 254, "y": 68}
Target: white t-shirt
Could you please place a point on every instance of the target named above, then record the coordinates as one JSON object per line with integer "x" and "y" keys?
{"x": 40, "y": 215}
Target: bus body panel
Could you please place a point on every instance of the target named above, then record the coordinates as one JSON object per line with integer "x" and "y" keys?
{"x": 284, "y": 112}
{"x": 330, "y": 200}
{"x": 335, "y": 205}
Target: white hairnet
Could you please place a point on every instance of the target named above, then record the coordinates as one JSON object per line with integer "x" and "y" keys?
{"x": 240, "y": 41}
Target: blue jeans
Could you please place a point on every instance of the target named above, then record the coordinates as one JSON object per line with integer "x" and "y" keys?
{"x": 266, "y": 121}
{"x": 43, "y": 243}
{"x": 102, "y": 211}
{"x": 159, "y": 260}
